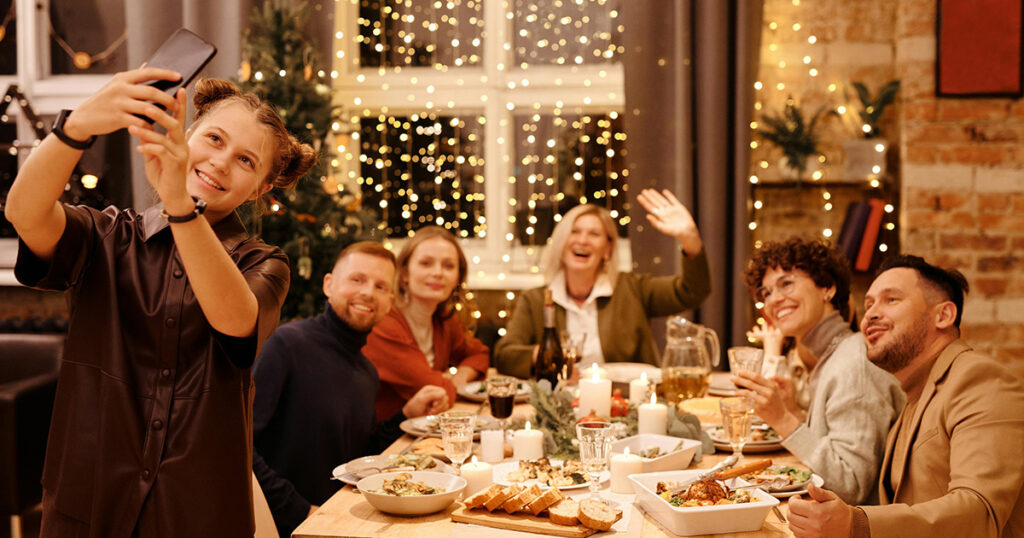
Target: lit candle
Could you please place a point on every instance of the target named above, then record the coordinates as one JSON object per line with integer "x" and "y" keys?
{"x": 652, "y": 417}
{"x": 478, "y": 475}
{"x": 622, "y": 466}
{"x": 596, "y": 395}
{"x": 638, "y": 389}
{"x": 589, "y": 372}
{"x": 492, "y": 445}
{"x": 528, "y": 444}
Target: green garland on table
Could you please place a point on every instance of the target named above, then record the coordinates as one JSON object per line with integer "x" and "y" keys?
{"x": 555, "y": 417}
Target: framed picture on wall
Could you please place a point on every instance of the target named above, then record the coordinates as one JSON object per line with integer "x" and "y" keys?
{"x": 979, "y": 48}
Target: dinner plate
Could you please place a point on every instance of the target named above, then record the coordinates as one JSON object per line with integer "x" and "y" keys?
{"x": 427, "y": 426}
{"x": 476, "y": 391}
{"x": 798, "y": 490}
{"x": 624, "y": 372}
{"x": 720, "y": 384}
{"x": 502, "y": 470}
{"x": 346, "y": 471}
{"x": 717, "y": 435}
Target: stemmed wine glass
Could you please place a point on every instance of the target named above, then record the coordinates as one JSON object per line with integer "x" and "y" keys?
{"x": 457, "y": 435}
{"x": 737, "y": 413}
{"x": 501, "y": 395}
{"x": 572, "y": 350}
{"x": 595, "y": 443}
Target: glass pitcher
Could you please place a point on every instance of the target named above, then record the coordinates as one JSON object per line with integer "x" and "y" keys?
{"x": 691, "y": 350}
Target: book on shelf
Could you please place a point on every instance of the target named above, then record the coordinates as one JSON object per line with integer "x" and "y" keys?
{"x": 852, "y": 232}
{"x": 870, "y": 237}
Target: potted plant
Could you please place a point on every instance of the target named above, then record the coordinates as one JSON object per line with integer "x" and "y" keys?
{"x": 796, "y": 136}
{"x": 865, "y": 157}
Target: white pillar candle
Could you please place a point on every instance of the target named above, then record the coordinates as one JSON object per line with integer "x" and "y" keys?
{"x": 638, "y": 389}
{"x": 492, "y": 445}
{"x": 652, "y": 417}
{"x": 622, "y": 466}
{"x": 528, "y": 444}
{"x": 478, "y": 475}
{"x": 596, "y": 396}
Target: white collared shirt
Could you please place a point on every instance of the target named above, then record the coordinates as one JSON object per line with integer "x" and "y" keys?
{"x": 583, "y": 318}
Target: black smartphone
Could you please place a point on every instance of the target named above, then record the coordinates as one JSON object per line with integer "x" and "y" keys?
{"x": 184, "y": 52}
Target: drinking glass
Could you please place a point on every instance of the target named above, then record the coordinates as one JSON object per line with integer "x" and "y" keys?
{"x": 745, "y": 359}
{"x": 737, "y": 413}
{"x": 572, "y": 346}
{"x": 457, "y": 435}
{"x": 595, "y": 443}
{"x": 501, "y": 394}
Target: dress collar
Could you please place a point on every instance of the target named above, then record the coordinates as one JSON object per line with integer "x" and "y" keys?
{"x": 229, "y": 231}
{"x": 602, "y": 288}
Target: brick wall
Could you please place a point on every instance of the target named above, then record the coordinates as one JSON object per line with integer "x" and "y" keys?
{"x": 958, "y": 163}
{"x": 963, "y": 188}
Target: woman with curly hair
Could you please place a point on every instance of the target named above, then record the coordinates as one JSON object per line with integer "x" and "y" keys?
{"x": 805, "y": 289}
{"x": 424, "y": 334}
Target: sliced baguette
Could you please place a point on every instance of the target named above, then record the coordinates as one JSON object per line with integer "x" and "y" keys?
{"x": 519, "y": 502}
{"x": 499, "y": 499}
{"x": 549, "y": 498}
{"x": 566, "y": 512}
{"x": 597, "y": 515}
{"x": 479, "y": 498}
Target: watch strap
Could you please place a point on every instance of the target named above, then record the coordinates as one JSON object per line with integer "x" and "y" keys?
{"x": 199, "y": 209}
{"x": 58, "y": 131}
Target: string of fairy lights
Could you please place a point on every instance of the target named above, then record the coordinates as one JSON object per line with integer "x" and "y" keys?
{"x": 795, "y": 54}
{"x": 425, "y": 164}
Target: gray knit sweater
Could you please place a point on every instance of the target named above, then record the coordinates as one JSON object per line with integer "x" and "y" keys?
{"x": 853, "y": 403}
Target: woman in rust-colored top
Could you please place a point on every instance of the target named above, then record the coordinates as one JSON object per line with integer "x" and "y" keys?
{"x": 151, "y": 431}
{"x": 423, "y": 335}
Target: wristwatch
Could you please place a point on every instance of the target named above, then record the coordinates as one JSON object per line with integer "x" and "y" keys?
{"x": 200, "y": 208}
{"x": 58, "y": 130}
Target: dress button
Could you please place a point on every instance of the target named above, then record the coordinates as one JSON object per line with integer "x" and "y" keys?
{"x": 158, "y": 424}
{"x": 145, "y": 474}
{"x": 178, "y": 273}
{"x": 169, "y": 322}
{"x": 166, "y": 372}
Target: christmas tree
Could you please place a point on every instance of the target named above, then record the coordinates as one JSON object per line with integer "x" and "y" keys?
{"x": 312, "y": 222}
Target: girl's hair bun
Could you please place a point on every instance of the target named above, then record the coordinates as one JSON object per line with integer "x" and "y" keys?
{"x": 209, "y": 91}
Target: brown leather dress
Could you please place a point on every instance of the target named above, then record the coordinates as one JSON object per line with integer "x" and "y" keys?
{"x": 152, "y": 424}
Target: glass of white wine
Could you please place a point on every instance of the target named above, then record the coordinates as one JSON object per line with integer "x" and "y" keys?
{"x": 457, "y": 435}
{"x": 737, "y": 414}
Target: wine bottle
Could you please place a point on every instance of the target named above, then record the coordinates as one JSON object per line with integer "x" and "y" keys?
{"x": 551, "y": 363}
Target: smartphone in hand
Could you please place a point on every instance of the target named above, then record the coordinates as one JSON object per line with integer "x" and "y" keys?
{"x": 184, "y": 52}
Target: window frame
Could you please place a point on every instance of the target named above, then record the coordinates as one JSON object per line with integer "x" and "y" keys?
{"x": 479, "y": 90}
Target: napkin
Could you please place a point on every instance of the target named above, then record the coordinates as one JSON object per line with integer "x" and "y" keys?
{"x": 687, "y": 425}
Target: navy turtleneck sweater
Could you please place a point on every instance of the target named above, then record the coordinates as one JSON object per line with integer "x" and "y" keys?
{"x": 313, "y": 410}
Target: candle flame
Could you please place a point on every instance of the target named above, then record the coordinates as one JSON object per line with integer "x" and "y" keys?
{"x": 527, "y": 425}
{"x": 474, "y": 460}
{"x": 596, "y": 377}
{"x": 654, "y": 399}
{"x": 643, "y": 377}
{"x": 626, "y": 452}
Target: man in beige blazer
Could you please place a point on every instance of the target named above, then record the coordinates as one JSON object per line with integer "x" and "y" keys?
{"x": 954, "y": 459}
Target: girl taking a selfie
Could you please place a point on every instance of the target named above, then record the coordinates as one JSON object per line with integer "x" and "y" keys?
{"x": 151, "y": 429}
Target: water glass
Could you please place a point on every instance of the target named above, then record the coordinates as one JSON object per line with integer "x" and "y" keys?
{"x": 737, "y": 414}
{"x": 745, "y": 359}
{"x": 457, "y": 435}
{"x": 595, "y": 440}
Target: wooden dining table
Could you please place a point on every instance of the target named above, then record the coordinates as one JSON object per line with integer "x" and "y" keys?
{"x": 347, "y": 513}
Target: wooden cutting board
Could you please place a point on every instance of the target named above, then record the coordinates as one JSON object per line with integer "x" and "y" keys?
{"x": 518, "y": 522}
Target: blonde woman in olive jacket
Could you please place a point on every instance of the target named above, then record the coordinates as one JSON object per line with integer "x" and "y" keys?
{"x": 593, "y": 297}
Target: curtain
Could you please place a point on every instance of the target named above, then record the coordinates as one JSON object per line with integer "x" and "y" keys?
{"x": 690, "y": 66}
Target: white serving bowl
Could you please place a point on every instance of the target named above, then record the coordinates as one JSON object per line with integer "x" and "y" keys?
{"x": 694, "y": 520}
{"x": 413, "y": 505}
{"x": 670, "y": 459}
